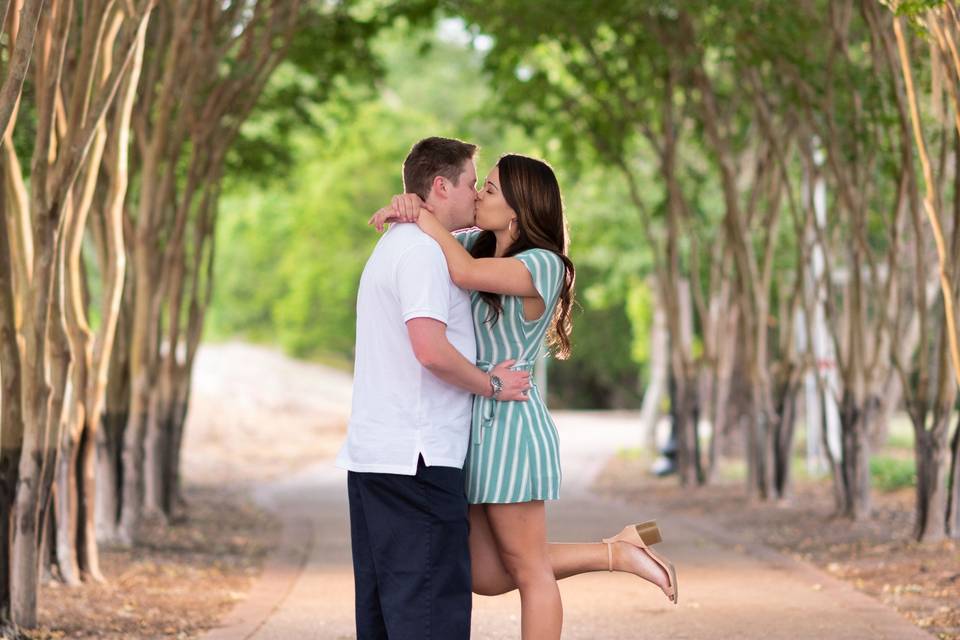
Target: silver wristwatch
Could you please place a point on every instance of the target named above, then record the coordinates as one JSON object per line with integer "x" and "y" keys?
{"x": 497, "y": 385}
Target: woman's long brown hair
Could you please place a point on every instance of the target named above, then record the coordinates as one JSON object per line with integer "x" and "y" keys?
{"x": 531, "y": 189}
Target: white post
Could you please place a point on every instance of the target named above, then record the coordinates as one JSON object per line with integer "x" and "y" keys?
{"x": 819, "y": 342}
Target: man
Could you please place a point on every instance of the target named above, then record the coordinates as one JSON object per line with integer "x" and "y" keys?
{"x": 410, "y": 422}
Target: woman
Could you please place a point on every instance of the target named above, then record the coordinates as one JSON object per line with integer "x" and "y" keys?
{"x": 521, "y": 284}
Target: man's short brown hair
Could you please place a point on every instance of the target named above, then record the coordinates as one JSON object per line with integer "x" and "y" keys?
{"x": 432, "y": 157}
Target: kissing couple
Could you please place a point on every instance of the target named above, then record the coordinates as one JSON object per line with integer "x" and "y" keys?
{"x": 450, "y": 450}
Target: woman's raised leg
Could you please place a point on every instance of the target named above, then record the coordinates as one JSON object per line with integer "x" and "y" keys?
{"x": 490, "y": 576}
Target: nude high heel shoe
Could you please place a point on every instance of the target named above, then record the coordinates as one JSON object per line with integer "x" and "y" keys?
{"x": 642, "y": 536}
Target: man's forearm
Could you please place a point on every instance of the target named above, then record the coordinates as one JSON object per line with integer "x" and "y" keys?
{"x": 450, "y": 366}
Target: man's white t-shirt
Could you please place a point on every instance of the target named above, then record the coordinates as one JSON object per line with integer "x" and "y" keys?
{"x": 401, "y": 410}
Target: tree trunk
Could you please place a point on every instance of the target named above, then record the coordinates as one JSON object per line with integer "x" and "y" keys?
{"x": 66, "y": 512}
{"x": 931, "y": 507}
{"x": 834, "y": 462}
{"x": 109, "y": 439}
{"x": 11, "y": 416}
{"x": 131, "y": 497}
{"x": 726, "y": 355}
{"x": 686, "y": 414}
{"x": 60, "y": 366}
{"x": 175, "y": 503}
{"x": 953, "y": 505}
{"x": 754, "y": 443}
{"x": 109, "y": 475}
{"x": 142, "y": 380}
{"x": 24, "y": 562}
{"x": 685, "y": 403}
{"x": 37, "y": 394}
{"x": 88, "y": 555}
{"x": 22, "y": 35}
{"x": 201, "y": 293}
{"x": 102, "y": 446}
{"x": 930, "y": 447}
{"x": 157, "y": 448}
{"x": 162, "y": 466}
{"x": 78, "y": 338}
{"x": 855, "y": 463}
{"x": 786, "y": 428}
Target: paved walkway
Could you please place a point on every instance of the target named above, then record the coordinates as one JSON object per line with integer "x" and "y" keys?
{"x": 306, "y": 590}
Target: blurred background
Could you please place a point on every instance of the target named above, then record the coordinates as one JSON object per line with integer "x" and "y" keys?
{"x": 292, "y": 243}
{"x": 763, "y": 201}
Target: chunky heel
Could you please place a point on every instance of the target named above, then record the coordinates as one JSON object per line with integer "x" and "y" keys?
{"x": 642, "y": 536}
{"x": 647, "y": 531}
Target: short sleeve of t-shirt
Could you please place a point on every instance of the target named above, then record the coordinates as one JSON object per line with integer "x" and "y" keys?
{"x": 547, "y": 270}
{"x": 467, "y": 238}
{"x": 423, "y": 283}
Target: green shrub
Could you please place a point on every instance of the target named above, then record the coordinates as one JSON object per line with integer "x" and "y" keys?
{"x": 890, "y": 474}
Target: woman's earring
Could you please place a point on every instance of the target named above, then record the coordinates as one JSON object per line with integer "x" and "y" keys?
{"x": 510, "y": 225}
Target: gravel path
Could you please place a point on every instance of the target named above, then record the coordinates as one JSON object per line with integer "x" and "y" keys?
{"x": 726, "y": 590}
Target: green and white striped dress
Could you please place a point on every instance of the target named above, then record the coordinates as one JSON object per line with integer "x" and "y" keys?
{"x": 514, "y": 453}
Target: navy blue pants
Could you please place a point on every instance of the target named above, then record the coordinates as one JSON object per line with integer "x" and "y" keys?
{"x": 411, "y": 559}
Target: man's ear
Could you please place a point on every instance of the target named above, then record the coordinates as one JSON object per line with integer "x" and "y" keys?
{"x": 439, "y": 186}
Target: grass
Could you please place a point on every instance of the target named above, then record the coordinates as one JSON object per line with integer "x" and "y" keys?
{"x": 891, "y": 474}
{"x": 735, "y": 469}
{"x": 635, "y": 453}
{"x": 891, "y": 469}
{"x": 887, "y": 473}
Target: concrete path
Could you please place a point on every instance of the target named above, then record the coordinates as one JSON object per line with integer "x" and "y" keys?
{"x": 306, "y": 590}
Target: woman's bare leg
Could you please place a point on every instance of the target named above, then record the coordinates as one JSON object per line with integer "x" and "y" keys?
{"x": 490, "y": 576}
{"x": 520, "y": 531}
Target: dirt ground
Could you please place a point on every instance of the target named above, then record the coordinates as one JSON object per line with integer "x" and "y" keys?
{"x": 921, "y": 581}
{"x": 177, "y": 583}
{"x": 253, "y": 417}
